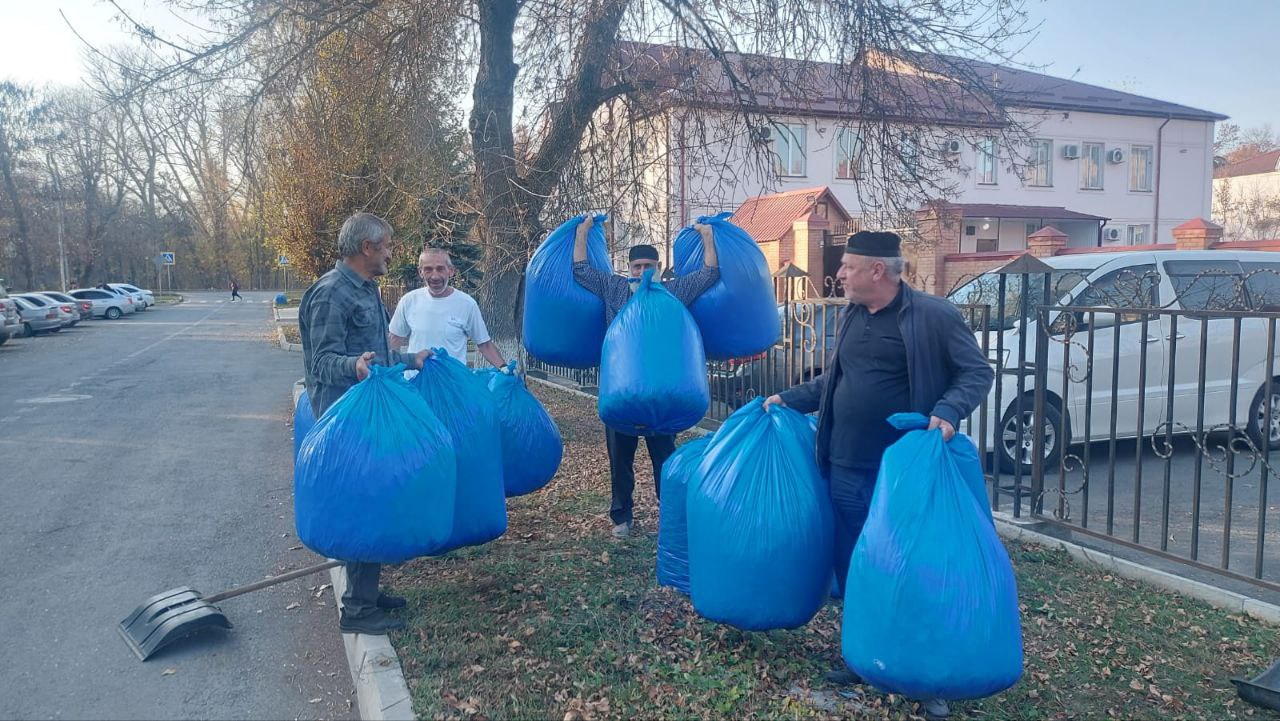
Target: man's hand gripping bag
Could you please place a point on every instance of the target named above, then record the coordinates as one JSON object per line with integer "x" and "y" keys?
{"x": 931, "y": 610}
{"x": 564, "y": 322}
{"x": 374, "y": 479}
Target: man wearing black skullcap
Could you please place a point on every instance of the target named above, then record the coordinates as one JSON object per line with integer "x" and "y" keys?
{"x": 615, "y": 290}
{"x": 897, "y": 350}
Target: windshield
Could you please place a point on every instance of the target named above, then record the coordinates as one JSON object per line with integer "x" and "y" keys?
{"x": 984, "y": 291}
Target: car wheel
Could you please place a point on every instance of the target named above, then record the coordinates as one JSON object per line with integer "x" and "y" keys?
{"x": 28, "y": 331}
{"x": 1258, "y": 421}
{"x": 4, "y": 338}
{"x": 1014, "y": 448}
{"x": 114, "y": 313}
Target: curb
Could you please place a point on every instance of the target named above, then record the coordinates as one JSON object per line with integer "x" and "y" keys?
{"x": 1212, "y": 595}
{"x": 381, "y": 691}
{"x": 286, "y": 345}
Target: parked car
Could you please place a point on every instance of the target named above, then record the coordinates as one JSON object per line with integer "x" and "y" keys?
{"x": 1191, "y": 284}
{"x": 106, "y": 304}
{"x": 146, "y": 296}
{"x": 37, "y": 318}
{"x": 83, "y": 307}
{"x": 10, "y": 323}
{"x": 68, "y": 313}
{"x": 138, "y": 303}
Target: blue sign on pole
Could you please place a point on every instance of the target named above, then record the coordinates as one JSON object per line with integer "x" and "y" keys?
{"x": 284, "y": 260}
{"x": 166, "y": 258}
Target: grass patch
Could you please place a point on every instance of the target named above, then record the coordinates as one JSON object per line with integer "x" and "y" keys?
{"x": 558, "y": 620}
{"x": 168, "y": 299}
{"x": 291, "y": 333}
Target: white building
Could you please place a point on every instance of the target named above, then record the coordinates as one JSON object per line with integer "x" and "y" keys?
{"x": 1105, "y": 167}
{"x": 1246, "y": 198}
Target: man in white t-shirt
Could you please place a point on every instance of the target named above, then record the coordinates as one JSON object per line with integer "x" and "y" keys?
{"x": 439, "y": 315}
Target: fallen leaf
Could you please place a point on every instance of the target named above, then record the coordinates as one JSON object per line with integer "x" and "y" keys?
{"x": 292, "y": 606}
{"x": 168, "y": 672}
{"x": 1137, "y": 685}
{"x": 315, "y": 700}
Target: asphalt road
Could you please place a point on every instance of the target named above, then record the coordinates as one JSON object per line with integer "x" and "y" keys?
{"x": 139, "y": 455}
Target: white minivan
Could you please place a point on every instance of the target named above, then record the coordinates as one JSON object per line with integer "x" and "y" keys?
{"x": 1123, "y": 380}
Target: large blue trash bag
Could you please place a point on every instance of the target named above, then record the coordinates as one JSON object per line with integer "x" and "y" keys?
{"x": 932, "y": 607}
{"x": 564, "y": 322}
{"x": 531, "y": 443}
{"x": 673, "y": 533}
{"x": 760, "y": 523}
{"x": 375, "y": 479}
{"x": 303, "y": 420}
{"x": 738, "y": 315}
{"x": 464, "y": 405}
{"x": 653, "y": 374}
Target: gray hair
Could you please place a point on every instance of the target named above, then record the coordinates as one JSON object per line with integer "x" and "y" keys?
{"x": 893, "y": 267}
{"x": 437, "y": 251}
{"x": 359, "y": 228}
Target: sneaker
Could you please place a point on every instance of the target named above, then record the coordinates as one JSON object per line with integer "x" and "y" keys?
{"x": 622, "y": 530}
{"x": 935, "y": 709}
{"x": 388, "y": 602}
{"x": 377, "y": 623}
{"x": 842, "y": 677}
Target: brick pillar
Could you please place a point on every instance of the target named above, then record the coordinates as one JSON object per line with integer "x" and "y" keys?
{"x": 809, "y": 232}
{"x": 1046, "y": 242}
{"x": 1197, "y": 234}
{"x": 937, "y": 236}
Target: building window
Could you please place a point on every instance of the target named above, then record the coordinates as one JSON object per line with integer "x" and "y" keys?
{"x": 848, "y": 154}
{"x": 987, "y": 161}
{"x": 1032, "y": 227}
{"x": 1091, "y": 166}
{"x": 1140, "y": 168}
{"x": 789, "y": 149}
{"x": 1040, "y": 164}
{"x": 1139, "y": 234}
{"x": 910, "y": 155}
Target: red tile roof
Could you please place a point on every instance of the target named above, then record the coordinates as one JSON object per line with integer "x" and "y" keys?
{"x": 1261, "y": 163}
{"x": 769, "y": 217}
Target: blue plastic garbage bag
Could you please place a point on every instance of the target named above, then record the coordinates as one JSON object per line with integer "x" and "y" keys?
{"x": 464, "y": 405}
{"x": 673, "y": 533}
{"x": 738, "y": 316}
{"x": 564, "y": 322}
{"x": 760, "y": 523}
{"x": 653, "y": 374}
{"x": 531, "y": 444}
{"x": 932, "y": 606}
{"x": 375, "y": 479}
{"x": 303, "y": 420}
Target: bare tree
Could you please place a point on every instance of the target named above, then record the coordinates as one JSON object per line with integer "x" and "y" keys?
{"x": 544, "y": 71}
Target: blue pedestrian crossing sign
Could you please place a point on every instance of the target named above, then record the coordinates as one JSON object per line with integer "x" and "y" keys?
{"x": 166, "y": 258}
{"x": 283, "y": 260}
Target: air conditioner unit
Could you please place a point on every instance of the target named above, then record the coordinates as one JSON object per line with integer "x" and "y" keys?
{"x": 1115, "y": 155}
{"x": 1071, "y": 152}
{"x": 951, "y": 147}
{"x": 762, "y": 134}
{"x": 1112, "y": 233}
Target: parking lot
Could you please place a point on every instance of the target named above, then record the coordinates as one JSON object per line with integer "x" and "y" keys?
{"x": 139, "y": 455}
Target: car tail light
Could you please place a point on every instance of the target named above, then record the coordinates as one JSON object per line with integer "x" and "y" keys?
{"x": 53, "y": 315}
{"x": 68, "y": 309}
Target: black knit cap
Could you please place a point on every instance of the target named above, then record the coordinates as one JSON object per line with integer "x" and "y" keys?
{"x": 875, "y": 244}
{"x": 643, "y": 252}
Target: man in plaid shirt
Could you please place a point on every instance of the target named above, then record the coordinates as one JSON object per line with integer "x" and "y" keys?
{"x": 344, "y": 330}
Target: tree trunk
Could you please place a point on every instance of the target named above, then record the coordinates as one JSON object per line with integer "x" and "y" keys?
{"x": 19, "y": 214}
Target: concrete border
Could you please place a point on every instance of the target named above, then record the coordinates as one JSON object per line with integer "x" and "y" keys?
{"x": 286, "y": 345}
{"x": 1212, "y": 595}
{"x": 381, "y": 691}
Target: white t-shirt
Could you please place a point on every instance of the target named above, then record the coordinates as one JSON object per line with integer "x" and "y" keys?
{"x": 430, "y": 322}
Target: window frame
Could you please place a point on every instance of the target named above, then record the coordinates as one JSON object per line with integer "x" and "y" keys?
{"x": 786, "y": 134}
{"x": 850, "y": 155}
{"x": 1149, "y": 153}
{"x": 1042, "y": 150}
{"x": 1099, "y": 163}
{"x": 1146, "y": 233}
{"x": 1239, "y": 297}
{"x": 988, "y": 169}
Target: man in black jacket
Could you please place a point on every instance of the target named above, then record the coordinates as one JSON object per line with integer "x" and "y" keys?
{"x": 898, "y": 350}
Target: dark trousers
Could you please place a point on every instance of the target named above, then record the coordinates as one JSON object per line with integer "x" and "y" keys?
{"x": 851, "y": 490}
{"x": 622, "y": 460}
{"x": 361, "y": 597}
{"x": 236, "y": 294}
